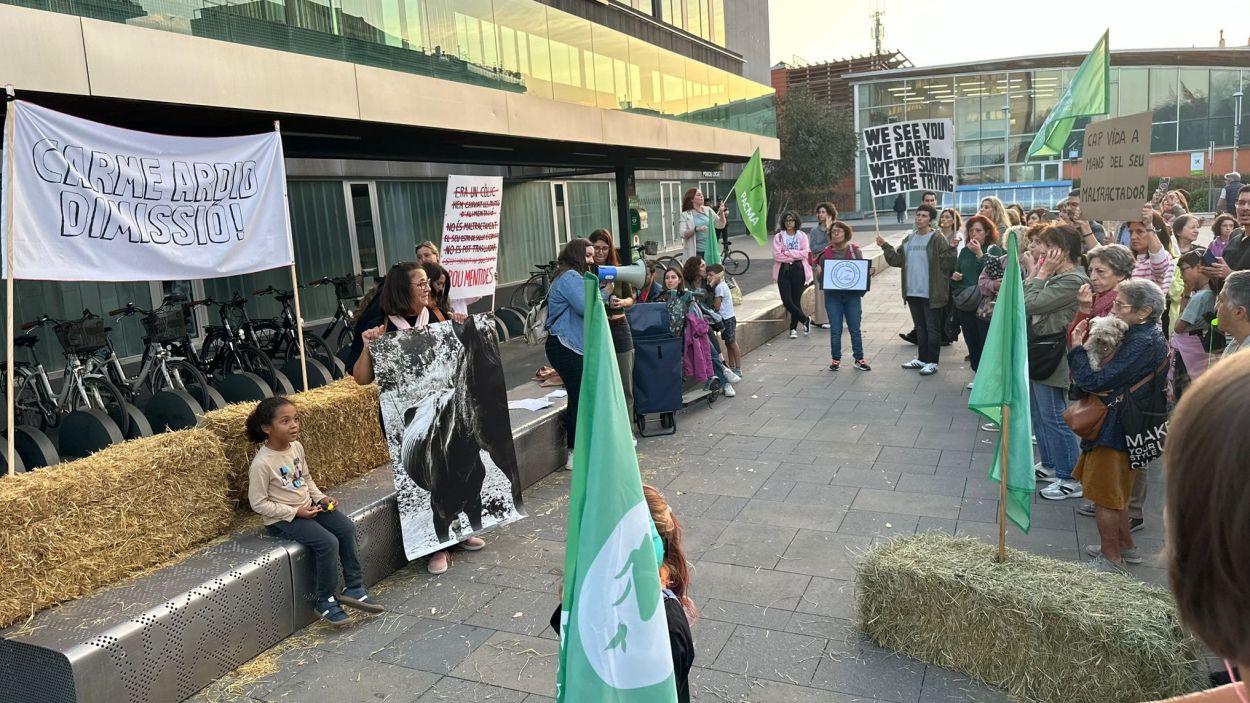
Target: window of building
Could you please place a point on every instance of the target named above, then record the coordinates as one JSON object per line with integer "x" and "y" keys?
{"x": 1132, "y": 94}
{"x": 1194, "y": 88}
{"x": 1163, "y": 94}
{"x": 1163, "y": 138}
{"x": 1223, "y": 85}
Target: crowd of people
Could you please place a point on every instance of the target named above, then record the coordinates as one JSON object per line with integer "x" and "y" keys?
{"x": 1121, "y": 323}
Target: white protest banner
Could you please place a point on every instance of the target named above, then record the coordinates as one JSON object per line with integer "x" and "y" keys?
{"x": 1115, "y": 168}
{"x": 471, "y": 234}
{"x": 907, "y": 156}
{"x": 92, "y": 202}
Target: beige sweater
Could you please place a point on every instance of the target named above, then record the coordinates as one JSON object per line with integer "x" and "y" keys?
{"x": 1223, "y": 694}
{"x": 279, "y": 483}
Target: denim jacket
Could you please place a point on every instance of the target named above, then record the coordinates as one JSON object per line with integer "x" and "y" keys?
{"x": 566, "y": 308}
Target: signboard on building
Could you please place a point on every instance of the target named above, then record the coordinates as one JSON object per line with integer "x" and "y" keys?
{"x": 471, "y": 234}
{"x": 908, "y": 156}
{"x": 92, "y": 202}
{"x": 1197, "y": 163}
{"x": 1115, "y": 168}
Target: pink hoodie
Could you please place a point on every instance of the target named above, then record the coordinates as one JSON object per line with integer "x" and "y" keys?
{"x": 784, "y": 255}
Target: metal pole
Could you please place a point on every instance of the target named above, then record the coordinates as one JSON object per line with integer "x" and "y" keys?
{"x": 10, "y": 391}
{"x": 1237, "y": 128}
{"x": 299, "y": 317}
{"x": 1002, "y": 487}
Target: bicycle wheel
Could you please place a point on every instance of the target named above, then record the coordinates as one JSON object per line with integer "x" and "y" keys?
{"x": 31, "y": 408}
{"x": 344, "y": 337}
{"x": 269, "y": 338}
{"x": 245, "y": 357}
{"x": 528, "y": 293}
{"x": 736, "y": 263}
{"x": 102, "y": 394}
{"x": 183, "y": 376}
{"x": 211, "y": 351}
{"x": 669, "y": 262}
{"x": 315, "y": 348}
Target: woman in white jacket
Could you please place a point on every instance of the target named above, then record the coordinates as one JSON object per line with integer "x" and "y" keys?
{"x": 697, "y": 222}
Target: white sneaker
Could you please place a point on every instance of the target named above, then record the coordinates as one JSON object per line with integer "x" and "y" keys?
{"x": 731, "y": 376}
{"x": 1041, "y": 473}
{"x": 794, "y": 334}
{"x": 990, "y": 427}
{"x": 1128, "y": 556}
{"x": 970, "y": 384}
{"x": 568, "y": 463}
{"x": 928, "y": 370}
{"x": 729, "y": 390}
{"x": 914, "y": 364}
{"x": 1063, "y": 488}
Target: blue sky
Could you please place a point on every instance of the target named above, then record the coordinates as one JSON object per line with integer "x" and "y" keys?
{"x": 954, "y": 31}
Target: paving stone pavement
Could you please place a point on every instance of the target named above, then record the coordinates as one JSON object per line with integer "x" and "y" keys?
{"x": 777, "y": 488}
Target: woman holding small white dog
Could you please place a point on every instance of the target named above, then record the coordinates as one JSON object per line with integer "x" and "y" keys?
{"x": 1050, "y": 301}
{"x": 1104, "y": 469}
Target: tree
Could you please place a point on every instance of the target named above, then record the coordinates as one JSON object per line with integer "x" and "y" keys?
{"x": 817, "y": 150}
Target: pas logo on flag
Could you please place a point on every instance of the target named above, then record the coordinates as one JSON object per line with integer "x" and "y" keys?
{"x": 610, "y": 587}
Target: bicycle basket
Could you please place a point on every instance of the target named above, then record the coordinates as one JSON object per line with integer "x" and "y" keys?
{"x": 168, "y": 325}
{"x": 82, "y": 337}
{"x": 347, "y": 288}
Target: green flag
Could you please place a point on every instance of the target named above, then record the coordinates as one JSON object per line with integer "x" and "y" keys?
{"x": 712, "y": 255}
{"x": 753, "y": 199}
{"x": 1003, "y": 382}
{"x": 1088, "y": 94}
{"x": 614, "y": 645}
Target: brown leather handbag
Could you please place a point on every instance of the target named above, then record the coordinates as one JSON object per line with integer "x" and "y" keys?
{"x": 1086, "y": 416}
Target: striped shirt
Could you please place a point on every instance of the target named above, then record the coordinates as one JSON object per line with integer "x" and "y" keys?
{"x": 1156, "y": 267}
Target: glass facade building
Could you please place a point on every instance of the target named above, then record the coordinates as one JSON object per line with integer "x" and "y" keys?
{"x": 997, "y": 114}
{"x": 514, "y": 45}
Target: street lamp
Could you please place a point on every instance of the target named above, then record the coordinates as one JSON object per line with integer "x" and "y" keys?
{"x": 1237, "y": 127}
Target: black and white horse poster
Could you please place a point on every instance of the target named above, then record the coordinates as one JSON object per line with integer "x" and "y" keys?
{"x": 445, "y": 418}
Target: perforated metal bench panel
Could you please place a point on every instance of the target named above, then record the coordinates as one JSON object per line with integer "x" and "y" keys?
{"x": 166, "y": 635}
{"x": 161, "y": 637}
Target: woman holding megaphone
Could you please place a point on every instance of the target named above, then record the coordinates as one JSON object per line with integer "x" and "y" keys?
{"x": 566, "y": 310}
{"x": 619, "y": 297}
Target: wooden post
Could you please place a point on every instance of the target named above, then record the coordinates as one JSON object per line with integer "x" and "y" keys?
{"x": 11, "y": 365}
{"x": 1002, "y": 487}
{"x": 299, "y": 318}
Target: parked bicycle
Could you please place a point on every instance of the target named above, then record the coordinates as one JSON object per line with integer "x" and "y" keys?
{"x": 226, "y": 348}
{"x": 534, "y": 290}
{"x": 277, "y": 338}
{"x": 165, "y": 328}
{"x": 735, "y": 261}
{"x": 36, "y": 404}
{"x": 347, "y": 290}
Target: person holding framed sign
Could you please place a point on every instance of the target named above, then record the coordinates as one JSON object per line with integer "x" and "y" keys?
{"x": 846, "y": 277}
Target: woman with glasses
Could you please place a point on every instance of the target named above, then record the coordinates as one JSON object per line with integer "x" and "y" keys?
{"x": 404, "y": 301}
{"x": 1104, "y": 469}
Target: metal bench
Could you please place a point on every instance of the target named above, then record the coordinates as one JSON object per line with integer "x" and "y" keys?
{"x": 165, "y": 635}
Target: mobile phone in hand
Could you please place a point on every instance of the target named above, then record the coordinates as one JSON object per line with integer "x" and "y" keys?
{"x": 1209, "y": 258}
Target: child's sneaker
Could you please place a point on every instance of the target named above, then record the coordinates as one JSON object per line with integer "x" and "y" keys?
{"x": 359, "y": 599}
{"x": 862, "y": 365}
{"x": 332, "y": 612}
{"x": 835, "y": 364}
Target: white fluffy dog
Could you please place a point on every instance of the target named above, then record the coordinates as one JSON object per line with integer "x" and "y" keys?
{"x": 1105, "y": 335}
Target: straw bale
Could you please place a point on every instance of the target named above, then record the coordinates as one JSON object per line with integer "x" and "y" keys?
{"x": 69, "y": 530}
{"x": 1045, "y": 630}
{"x": 339, "y": 429}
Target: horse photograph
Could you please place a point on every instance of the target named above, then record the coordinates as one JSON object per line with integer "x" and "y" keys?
{"x": 445, "y": 419}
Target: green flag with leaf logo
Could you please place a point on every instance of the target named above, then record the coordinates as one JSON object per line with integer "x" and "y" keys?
{"x": 1087, "y": 95}
{"x": 614, "y": 645}
{"x": 1003, "y": 382}
{"x": 753, "y": 199}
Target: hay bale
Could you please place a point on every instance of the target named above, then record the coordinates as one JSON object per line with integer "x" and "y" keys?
{"x": 339, "y": 429}
{"x": 69, "y": 530}
{"x": 1045, "y": 630}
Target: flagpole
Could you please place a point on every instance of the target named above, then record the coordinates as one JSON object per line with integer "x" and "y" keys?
{"x": 1002, "y": 486}
{"x": 10, "y": 367}
{"x": 299, "y": 317}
